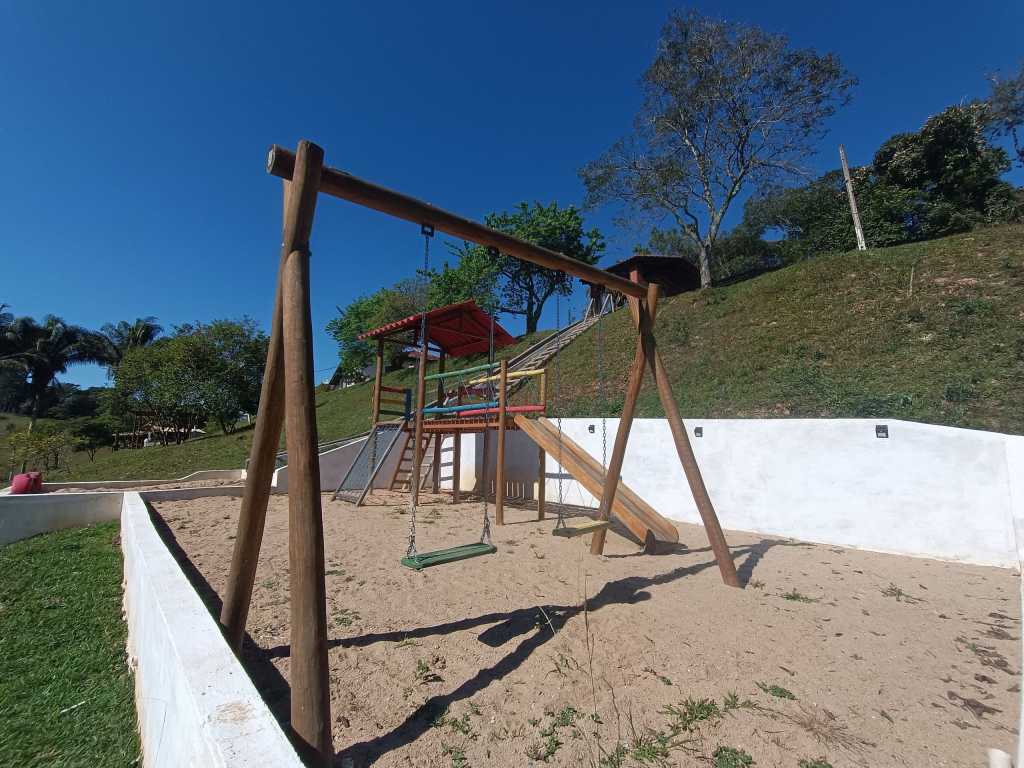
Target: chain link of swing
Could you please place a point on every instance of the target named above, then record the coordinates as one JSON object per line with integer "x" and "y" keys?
{"x": 427, "y": 230}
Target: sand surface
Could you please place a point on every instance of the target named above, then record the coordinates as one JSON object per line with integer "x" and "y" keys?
{"x": 170, "y": 485}
{"x": 542, "y": 652}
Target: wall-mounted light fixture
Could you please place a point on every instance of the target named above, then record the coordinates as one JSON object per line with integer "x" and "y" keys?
{"x": 590, "y": 428}
{"x": 698, "y": 431}
{"x": 881, "y": 430}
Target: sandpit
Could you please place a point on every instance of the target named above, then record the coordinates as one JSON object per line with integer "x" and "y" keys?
{"x": 850, "y": 657}
{"x": 156, "y": 485}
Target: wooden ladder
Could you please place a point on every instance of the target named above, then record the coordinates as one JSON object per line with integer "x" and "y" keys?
{"x": 401, "y": 480}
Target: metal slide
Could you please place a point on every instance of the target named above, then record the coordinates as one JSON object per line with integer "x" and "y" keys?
{"x": 635, "y": 513}
{"x": 360, "y": 476}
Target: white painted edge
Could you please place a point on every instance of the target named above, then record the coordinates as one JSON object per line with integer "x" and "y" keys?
{"x": 196, "y": 704}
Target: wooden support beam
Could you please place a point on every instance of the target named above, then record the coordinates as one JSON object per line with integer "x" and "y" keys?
{"x": 542, "y": 469}
{"x": 378, "y": 380}
{"x": 421, "y": 401}
{"x": 310, "y": 685}
{"x": 643, "y": 314}
{"x": 689, "y": 461}
{"x": 336, "y": 183}
{"x": 499, "y": 471}
{"x": 263, "y": 453}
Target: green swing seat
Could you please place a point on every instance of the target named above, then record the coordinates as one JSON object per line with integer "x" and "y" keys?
{"x": 441, "y": 556}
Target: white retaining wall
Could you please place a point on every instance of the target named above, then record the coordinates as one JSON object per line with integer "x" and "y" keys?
{"x": 31, "y": 514}
{"x": 195, "y": 702}
{"x": 926, "y": 490}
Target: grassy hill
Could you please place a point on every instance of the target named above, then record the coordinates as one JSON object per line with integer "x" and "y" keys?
{"x": 931, "y": 332}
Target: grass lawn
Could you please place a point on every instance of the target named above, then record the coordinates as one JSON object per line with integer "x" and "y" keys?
{"x": 66, "y": 695}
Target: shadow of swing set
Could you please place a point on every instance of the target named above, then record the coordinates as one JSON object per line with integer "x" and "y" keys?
{"x": 287, "y": 400}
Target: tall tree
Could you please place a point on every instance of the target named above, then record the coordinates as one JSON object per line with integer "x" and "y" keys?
{"x": 45, "y": 350}
{"x": 122, "y": 336}
{"x": 725, "y": 106}
{"x": 1006, "y": 109}
{"x": 524, "y": 288}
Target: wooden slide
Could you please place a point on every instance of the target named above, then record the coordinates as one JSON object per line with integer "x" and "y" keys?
{"x": 635, "y": 513}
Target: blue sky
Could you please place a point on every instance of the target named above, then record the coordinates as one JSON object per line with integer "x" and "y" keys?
{"x": 135, "y": 133}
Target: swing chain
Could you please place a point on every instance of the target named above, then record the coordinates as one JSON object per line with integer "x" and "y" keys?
{"x": 427, "y": 230}
{"x": 485, "y": 533}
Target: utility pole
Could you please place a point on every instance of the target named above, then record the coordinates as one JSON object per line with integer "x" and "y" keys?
{"x": 861, "y": 246}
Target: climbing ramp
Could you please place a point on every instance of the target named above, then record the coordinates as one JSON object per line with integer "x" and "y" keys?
{"x": 635, "y": 513}
{"x": 368, "y": 462}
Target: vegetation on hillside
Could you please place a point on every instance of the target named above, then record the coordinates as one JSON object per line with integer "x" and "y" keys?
{"x": 929, "y": 332}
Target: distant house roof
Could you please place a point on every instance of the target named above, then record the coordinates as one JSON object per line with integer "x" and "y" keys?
{"x": 457, "y": 329}
{"x": 673, "y": 273}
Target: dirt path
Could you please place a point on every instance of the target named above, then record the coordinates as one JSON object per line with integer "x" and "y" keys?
{"x": 850, "y": 657}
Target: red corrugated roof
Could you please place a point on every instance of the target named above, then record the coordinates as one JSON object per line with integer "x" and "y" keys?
{"x": 459, "y": 329}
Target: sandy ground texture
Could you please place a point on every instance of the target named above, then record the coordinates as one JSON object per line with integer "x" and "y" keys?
{"x": 170, "y": 485}
{"x": 834, "y": 655}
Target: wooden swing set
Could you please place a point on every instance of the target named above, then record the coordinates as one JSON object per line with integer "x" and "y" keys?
{"x": 287, "y": 400}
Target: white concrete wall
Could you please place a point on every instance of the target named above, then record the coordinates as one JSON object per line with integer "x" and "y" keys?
{"x": 196, "y": 704}
{"x": 925, "y": 490}
{"x": 27, "y": 515}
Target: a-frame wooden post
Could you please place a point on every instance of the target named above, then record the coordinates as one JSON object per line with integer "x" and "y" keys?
{"x": 260, "y": 470}
{"x": 643, "y": 315}
{"x": 647, "y": 354}
{"x": 310, "y": 684}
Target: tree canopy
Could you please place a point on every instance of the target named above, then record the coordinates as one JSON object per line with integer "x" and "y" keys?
{"x": 518, "y": 287}
{"x": 942, "y": 179}
{"x": 726, "y": 106}
{"x": 203, "y": 371}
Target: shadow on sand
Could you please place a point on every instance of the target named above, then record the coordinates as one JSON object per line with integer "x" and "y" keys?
{"x": 537, "y": 623}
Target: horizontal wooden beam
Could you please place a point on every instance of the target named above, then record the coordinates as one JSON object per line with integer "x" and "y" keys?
{"x": 281, "y": 163}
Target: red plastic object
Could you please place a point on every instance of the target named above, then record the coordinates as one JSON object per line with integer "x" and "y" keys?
{"x": 22, "y": 484}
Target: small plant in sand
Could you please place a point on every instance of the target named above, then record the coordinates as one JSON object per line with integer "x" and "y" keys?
{"x": 731, "y": 757}
{"x": 440, "y": 718}
{"x": 345, "y": 617}
{"x": 901, "y": 597}
{"x": 406, "y": 642}
{"x": 542, "y": 751}
{"x": 798, "y": 597}
{"x": 424, "y": 674}
{"x": 777, "y": 691}
{"x": 819, "y": 763}
{"x": 756, "y": 584}
{"x": 732, "y": 702}
{"x": 687, "y": 715}
{"x": 461, "y": 725}
{"x": 457, "y": 754}
{"x": 660, "y": 677}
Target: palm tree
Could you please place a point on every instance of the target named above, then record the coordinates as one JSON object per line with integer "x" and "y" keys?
{"x": 45, "y": 350}
{"x": 117, "y": 339}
